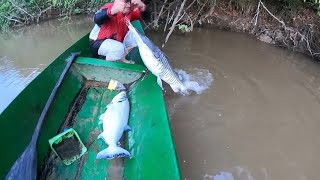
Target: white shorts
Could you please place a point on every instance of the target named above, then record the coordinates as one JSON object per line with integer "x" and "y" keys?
{"x": 114, "y": 50}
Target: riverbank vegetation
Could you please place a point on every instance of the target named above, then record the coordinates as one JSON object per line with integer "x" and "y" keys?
{"x": 16, "y": 13}
{"x": 294, "y": 24}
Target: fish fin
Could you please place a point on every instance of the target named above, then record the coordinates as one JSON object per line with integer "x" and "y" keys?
{"x": 100, "y": 136}
{"x": 105, "y": 114}
{"x": 159, "y": 81}
{"x": 127, "y": 128}
{"x": 109, "y": 105}
{"x": 182, "y": 90}
{"x": 101, "y": 118}
{"x": 113, "y": 152}
{"x": 174, "y": 88}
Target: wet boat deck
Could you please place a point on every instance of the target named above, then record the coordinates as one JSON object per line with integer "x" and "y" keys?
{"x": 149, "y": 142}
{"x": 87, "y": 127}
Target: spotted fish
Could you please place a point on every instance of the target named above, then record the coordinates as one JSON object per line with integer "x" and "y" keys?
{"x": 155, "y": 60}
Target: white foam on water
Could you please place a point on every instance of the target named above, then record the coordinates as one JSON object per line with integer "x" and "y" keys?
{"x": 235, "y": 173}
{"x": 220, "y": 176}
{"x": 243, "y": 172}
{"x": 198, "y": 80}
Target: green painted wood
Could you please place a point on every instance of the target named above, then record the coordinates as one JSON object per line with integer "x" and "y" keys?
{"x": 56, "y": 115}
{"x": 150, "y": 140}
{"x": 110, "y": 64}
{"x": 103, "y": 71}
{"x": 86, "y": 125}
{"x": 18, "y": 120}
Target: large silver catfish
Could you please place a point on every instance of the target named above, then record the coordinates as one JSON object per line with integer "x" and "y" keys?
{"x": 155, "y": 60}
{"x": 115, "y": 121}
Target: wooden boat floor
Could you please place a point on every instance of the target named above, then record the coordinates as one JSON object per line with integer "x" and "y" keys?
{"x": 86, "y": 124}
{"x": 150, "y": 142}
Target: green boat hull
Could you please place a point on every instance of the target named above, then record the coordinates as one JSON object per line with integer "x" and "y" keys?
{"x": 80, "y": 100}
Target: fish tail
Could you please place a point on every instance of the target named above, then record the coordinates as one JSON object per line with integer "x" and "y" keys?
{"x": 112, "y": 152}
{"x": 184, "y": 91}
{"x": 180, "y": 89}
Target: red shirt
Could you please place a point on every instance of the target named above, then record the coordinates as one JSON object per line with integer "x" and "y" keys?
{"x": 115, "y": 27}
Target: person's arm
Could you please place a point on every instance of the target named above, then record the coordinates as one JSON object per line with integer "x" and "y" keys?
{"x": 101, "y": 16}
{"x": 107, "y": 11}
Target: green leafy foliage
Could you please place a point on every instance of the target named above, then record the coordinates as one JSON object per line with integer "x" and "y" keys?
{"x": 184, "y": 28}
{"x": 18, "y": 12}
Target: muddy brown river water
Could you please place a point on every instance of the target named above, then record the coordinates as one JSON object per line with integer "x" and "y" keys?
{"x": 259, "y": 119}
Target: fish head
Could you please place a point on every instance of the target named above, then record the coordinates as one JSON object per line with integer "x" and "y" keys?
{"x": 122, "y": 96}
{"x": 131, "y": 27}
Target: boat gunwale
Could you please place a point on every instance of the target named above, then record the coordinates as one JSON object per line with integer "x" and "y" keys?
{"x": 110, "y": 64}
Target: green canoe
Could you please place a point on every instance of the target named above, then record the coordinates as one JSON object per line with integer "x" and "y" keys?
{"x": 80, "y": 100}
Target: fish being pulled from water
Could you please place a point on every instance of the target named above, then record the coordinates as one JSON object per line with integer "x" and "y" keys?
{"x": 115, "y": 122}
{"x": 155, "y": 60}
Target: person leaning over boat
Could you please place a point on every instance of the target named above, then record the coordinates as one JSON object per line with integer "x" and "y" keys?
{"x": 106, "y": 37}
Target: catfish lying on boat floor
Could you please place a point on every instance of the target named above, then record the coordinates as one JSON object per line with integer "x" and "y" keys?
{"x": 115, "y": 121}
{"x": 94, "y": 95}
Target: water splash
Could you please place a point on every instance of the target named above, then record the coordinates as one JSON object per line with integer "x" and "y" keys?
{"x": 198, "y": 80}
